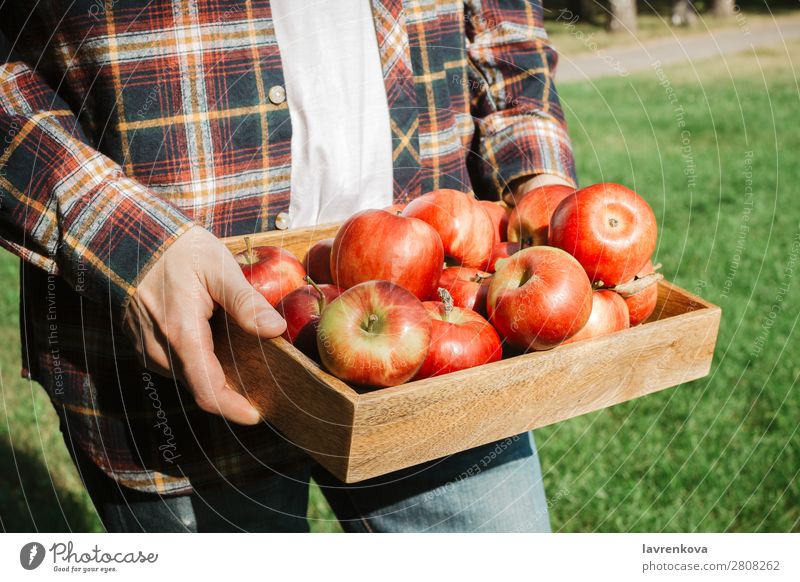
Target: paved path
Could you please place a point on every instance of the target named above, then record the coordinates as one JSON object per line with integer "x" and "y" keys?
{"x": 625, "y": 60}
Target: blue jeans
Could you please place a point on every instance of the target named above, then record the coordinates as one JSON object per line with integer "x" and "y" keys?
{"x": 492, "y": 488}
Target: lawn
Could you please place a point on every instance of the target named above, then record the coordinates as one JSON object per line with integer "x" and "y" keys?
{"x": 719, "y": 454}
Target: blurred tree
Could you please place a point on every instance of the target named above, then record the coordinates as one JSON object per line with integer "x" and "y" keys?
{"x": 592, "y": 10}
{"x": 623, "y": 16}
{"x": 683, "y": 13}
{"x": 723, "y": 8}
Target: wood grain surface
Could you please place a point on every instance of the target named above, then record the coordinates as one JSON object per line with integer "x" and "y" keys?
{"x": 312, "y": 409}
{"x": 296, "y": 241}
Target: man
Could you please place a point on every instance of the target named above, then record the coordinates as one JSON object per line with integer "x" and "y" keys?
{"x": 138, "y": 132}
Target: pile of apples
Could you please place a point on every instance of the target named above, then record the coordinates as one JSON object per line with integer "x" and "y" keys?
{"x": 448, "y": 282}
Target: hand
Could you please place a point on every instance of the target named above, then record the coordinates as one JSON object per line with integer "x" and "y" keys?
{"x": 519, "y": 188}
{"x": 167, "y": 319}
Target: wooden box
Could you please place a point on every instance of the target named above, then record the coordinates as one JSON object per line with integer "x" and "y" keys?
{"x": 358, "y": 434}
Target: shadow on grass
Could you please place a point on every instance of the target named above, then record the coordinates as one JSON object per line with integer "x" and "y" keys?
{"x": 31, "y": 502}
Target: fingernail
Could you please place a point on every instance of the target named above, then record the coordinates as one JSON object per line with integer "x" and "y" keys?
{"x": 255, "y": 417}
{"x": 268, "y": 319}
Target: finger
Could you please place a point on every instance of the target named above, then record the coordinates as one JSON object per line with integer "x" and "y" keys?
{"x": 229, "y": 287}
{"x": 203, "y": 376}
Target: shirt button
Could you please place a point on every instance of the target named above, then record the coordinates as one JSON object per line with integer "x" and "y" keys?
{"x": 282, "y": 221}
{"x": 277, "y": 94}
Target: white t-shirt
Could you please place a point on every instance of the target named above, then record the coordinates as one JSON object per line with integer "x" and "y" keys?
{"x": 341, "y": 138}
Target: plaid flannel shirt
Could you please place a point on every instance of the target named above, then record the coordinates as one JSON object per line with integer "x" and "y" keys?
{"x": 127, "y": 121}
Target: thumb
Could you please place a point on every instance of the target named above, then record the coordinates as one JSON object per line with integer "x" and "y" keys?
{"x": 243, "y": 303}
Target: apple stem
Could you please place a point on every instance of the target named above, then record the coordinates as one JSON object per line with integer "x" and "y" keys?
{"x": 371, "y": 322}
{"x": 447, "y": 301}
{"x": 248, "y": 253}
{"x": 657, "y": 266}
{"x": 481, "y": 278}
{"x": 598, "y": 285}
{"x": 322, "y": 301}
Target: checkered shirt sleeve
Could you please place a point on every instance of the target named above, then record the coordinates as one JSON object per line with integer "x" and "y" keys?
{"x": 519, "y": 120}
{"x": 66, "y": 207}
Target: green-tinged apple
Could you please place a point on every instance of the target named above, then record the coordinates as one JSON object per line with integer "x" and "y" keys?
{"x": 273, "y": 271}
{"x": 538, "y": 298}
{"x": 375, "y": 334}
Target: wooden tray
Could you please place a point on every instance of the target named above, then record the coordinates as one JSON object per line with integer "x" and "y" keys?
{"x": 359, "y": 434}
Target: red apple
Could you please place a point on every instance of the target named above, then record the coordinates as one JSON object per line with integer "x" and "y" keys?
{"x": 641, "y": 294}
{"x": 609, "y": 314}
{"x": 609, "y": 228}
{"x": 465, "y": 228}
{"x": 466, "y": 286}
{"x": 317, "y": 261}
{"x": 530, "y": 218}
{"x": 499, "y": 215}
{"x": 460, "y": 339}
{"x": 379, "y": 245}
{"x": 502, "y": 250}
{"x": 395, "y": 208}
{"x": 274, "y": 272}
{"x": 374, "y": 334}
{"x": 301, "y": 309}
{"x": 539, "y": 297}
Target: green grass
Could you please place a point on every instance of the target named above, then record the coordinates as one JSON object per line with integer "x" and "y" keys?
{"x": 39, "y": 488}
{"x": 719, "y": 454}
